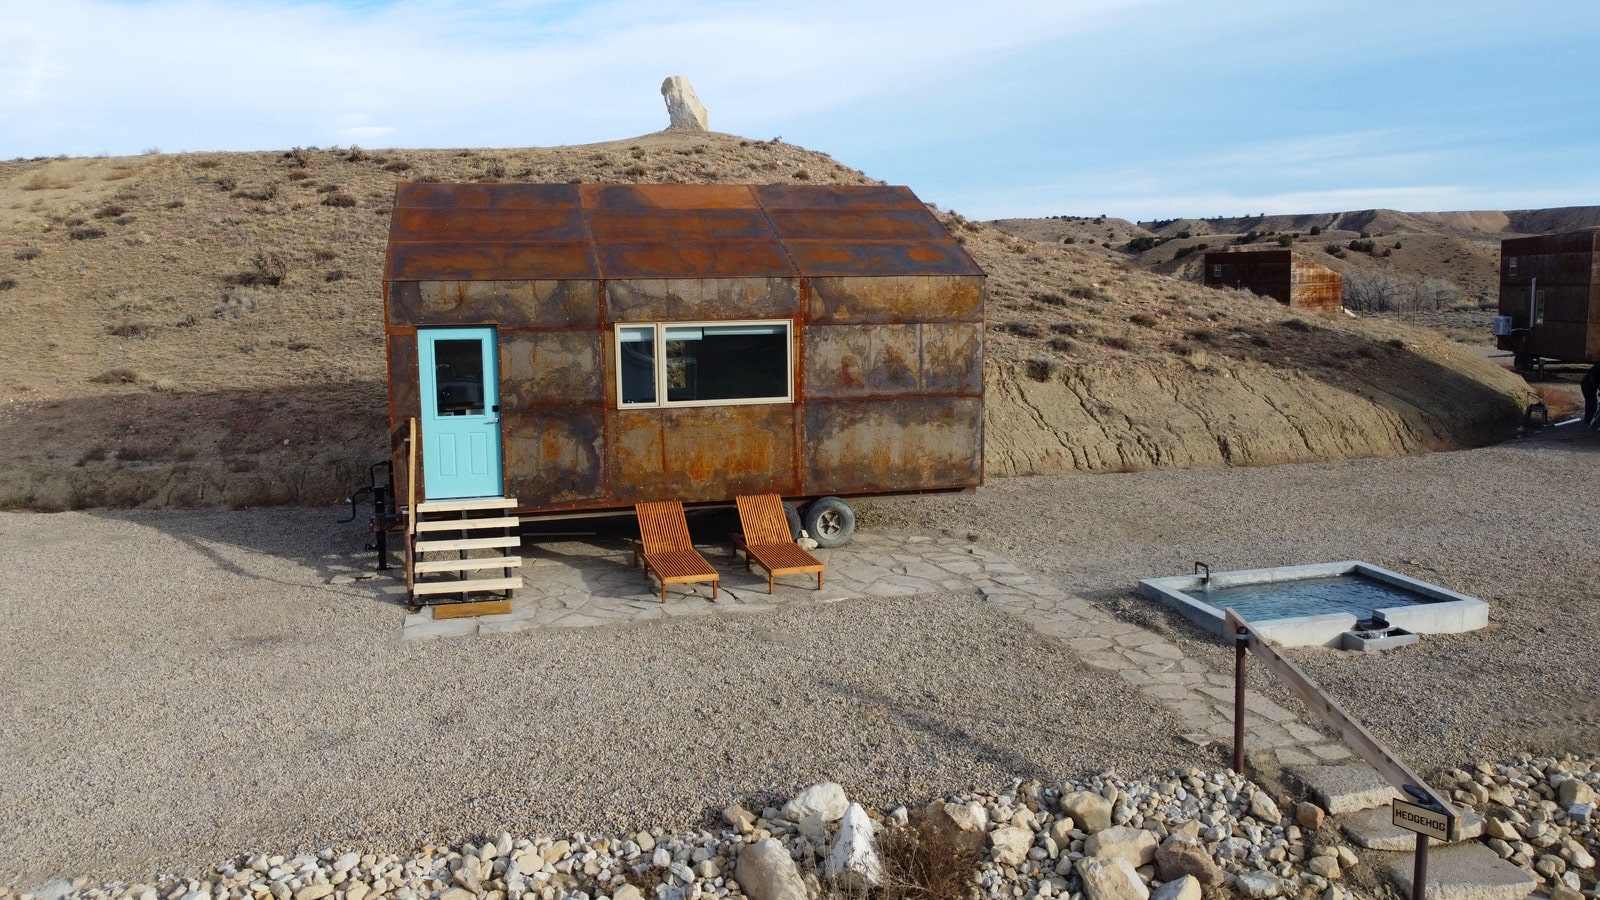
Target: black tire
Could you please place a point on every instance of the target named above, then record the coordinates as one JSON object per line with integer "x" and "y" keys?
{"x": 792, "y": 516}
{"x": 830, "y": 521}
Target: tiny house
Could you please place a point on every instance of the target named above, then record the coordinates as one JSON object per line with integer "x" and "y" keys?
{"x": 583, "y": 347}
{"x": 1550, "y": 297}
{"x": 1283, "y": 275}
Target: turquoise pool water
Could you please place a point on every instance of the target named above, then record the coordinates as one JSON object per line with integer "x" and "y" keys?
{"x": 1353, "y": 593}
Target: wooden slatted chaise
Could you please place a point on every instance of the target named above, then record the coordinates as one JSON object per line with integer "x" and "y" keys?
{"x": 767, "y": 541}
{"x": 668, "y": 553}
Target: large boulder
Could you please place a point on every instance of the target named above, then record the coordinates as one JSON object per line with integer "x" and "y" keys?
{"x": 853, "y": 863}
{"x": 683, "y": 105}
{"x": 1091, "y": 811}
{"x": 766, "y": 872}
{"x": 1111, "y": 878}
{"x": 963, "y": 825}
{"x": 1185, "y": 854}
{"x": 1009, "y": 844}
{"x": 826, "y": 801}
{"x": 1132, "y": 844}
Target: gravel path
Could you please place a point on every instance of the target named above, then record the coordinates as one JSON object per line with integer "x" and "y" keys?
{"x": 183, "y": 687}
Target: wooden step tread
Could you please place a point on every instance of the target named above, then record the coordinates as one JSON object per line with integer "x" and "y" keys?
{"x": 472, "y": 609}
{"x": 466, "y": 503}
{"x": 467, "y": 524}
{"x": 470, "y": 584}
{"x": 463, "y": 565}
{"x": 468, "y": 544}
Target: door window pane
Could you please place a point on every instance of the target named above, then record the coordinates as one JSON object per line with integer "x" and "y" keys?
{"x": 637, "y": 370}
{"x": 458, "y": 376}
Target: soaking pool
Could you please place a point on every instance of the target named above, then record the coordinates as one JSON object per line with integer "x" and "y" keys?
{"x": 1296, "y": 606}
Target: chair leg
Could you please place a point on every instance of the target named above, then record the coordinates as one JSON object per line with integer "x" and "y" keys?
{"x": 819, "y": 581}
{"x": 715, "y": 584}
{"x": 769, "y": 582}
{"x": 663, "y": 590}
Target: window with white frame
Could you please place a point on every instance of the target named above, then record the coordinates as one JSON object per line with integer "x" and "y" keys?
{"x": 704, "y": 363}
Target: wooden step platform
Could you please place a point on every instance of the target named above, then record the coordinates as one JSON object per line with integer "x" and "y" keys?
{"x": 453, "y": 530}
{"x": 466, "y": 503}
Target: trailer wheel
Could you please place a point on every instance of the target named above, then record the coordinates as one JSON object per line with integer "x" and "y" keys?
{"x": 830, "y": 521}
{"x": 792, "y": 516}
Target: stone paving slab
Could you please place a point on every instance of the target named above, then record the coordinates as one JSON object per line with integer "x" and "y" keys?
{"x": 1464, "y": 872}
{"x": 1345, "y": 788}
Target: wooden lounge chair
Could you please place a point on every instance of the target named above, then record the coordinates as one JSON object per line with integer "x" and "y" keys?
{"x": 767, "y": 541}
{"x": 668, "y": 553}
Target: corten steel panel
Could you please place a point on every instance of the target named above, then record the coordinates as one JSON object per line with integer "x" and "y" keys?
{"x": 841, "y": 257}
{"x": 1565, "y": 268}
{"x": 550, "y": 368}
{"x": 857, "y": 225}
{"x": 862, "y": 360}
{"x": 691, "y": 299}
{"x": 911, "y": 443}
{"x": 547, "y": 304}
{"x": 891, "y": 300}
{"x": 485, "y": 196}
{"x": 701, "y": 453}
{"x": 554, "y": 458}
{"x": 667, "y": 196}
{"x": 952, "y": 358}
{"x": 404, "y": 402}
{"x": 489, "y": 261}
{"x": 837, "y": 196}
{"x": 1316, "y": 288}
{"x": 683, "y": 259}
{"x": 465, "y": 226}
{"x": 622, "y": 226}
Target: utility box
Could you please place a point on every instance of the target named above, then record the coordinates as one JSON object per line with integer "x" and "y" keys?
{"x": 1283, "y": 275}
{"x": 583, "y": 347}
{"x": 1550, "y": 297}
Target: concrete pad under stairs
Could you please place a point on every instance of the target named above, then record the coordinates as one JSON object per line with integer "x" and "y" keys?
{"x": 1467, "y": 871}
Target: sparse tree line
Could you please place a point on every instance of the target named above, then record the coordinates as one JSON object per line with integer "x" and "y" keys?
{"x": 1384, "y": 290}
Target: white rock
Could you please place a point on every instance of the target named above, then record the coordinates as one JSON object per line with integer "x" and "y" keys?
{"x": 1185, "y": 888}
{"x": 827, "y": 800}
{"x": 766, "y": 872}
{"x": 1092, "y": 812}
{"x": 1262, "y": 807}
{"x": 1258, "y": 885}
{"x": 1324, "y": 866}
{"x": 683, "y": 105}
{"x": 1132, "y": 844}
{"x": 1111, "y": 879}
{"x": 1008, "y": 845}
{"x": 627, "y": 892}
{"x": 853, "y": 862}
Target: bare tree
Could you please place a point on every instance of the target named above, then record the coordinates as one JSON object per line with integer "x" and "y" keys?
{"x": 1376, "y": 291}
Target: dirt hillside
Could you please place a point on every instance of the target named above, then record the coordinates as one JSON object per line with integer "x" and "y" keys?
{"x": 205, "y": 330}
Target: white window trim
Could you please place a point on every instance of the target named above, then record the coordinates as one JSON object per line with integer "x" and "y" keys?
{"x": 660, "y": 330}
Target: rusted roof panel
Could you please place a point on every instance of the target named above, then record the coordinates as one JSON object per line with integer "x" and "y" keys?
{"x": 507, "y": 232}
{"x": 484, "y": 261}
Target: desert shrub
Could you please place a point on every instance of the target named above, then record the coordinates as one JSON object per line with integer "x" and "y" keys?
{"x": 129, "y": 329}
{"x": 1069, "y": 240}
{"x": 298, "y": 157}
{"x": 398, "y": 165}
{"x": 1084, "y": 292}
{"x": 268, "y": 268}
{"x": 1141, "y": 244}
{"x": 1361, "y": 246}
{"x": 1397, "y": 245}
{"x": 1334, "y": 250}
{"x": 175, "y": 204}
{"x": 327, "y": 188}
{"x": 299, "y": 175}
{"x": 1144, "y": 320}
{"x": 338, "y": 199}
{"x": 1050, "y": 298}
{"x": 324, "y": 254}
{"x": 1201, "y": 336}
{"x": 86, "y": 233}
{"x": 27, "y": 253}
{"x": 7, "y": 284}
{"x": 1316, "y": 230}
{"x": 1020, "y": 329}
{"x": 298, "y": 346}
{"x": 208, "y": 163}
{"x": 1285, "y": 240}
{"x": 269, "y": 191}
{"x": 227, "y": 183}
{"x": 926, "y": 863}
{"x": 1061, "y": 345}
{"x": 802, "y": 175}
{"x": 236, "y": 301}
{"x": 494, "y": 167}
{"x": 1115, "y": 341}
{"x": 335, "y": 275}
{"x": 117, "y": 376}
{"x": 109, "y": 211}
{"x": 356, "y": 154}
{"x": 1039, "y": 368}
{"x": 1300, "y": 325}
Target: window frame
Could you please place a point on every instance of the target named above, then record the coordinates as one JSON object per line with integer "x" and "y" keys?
{"x": 659, "y": 329}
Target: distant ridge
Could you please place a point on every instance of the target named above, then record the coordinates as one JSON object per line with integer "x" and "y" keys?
{"x": 1507, "y": 223}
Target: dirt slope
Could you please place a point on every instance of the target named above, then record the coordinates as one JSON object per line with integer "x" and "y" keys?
{"x": 205, "y": 330}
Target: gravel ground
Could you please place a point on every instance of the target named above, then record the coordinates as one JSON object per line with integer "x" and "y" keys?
{"x": 183, "y": 687}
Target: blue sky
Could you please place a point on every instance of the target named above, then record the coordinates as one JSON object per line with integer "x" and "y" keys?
{"x": 1133, "y": 108}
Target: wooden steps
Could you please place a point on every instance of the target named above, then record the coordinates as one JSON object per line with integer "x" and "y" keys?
{"x": 471, "y": 535}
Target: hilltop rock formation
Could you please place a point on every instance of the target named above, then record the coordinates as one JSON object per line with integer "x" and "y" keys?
{"x": 683, "y": 105}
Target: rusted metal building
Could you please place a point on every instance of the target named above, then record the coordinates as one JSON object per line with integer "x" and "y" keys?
{"x": 582, "y": 347}
{"x": 1550, "y": 297}
{"x": 1283, "y": 275}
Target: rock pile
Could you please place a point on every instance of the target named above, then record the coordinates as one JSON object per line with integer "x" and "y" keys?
{"x": 1180, "y": 836}
{"x": 1540, "y": 814}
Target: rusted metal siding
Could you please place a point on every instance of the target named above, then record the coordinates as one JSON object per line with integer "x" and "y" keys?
{"x": 887, "y": 314}
{"x": 1282, "y": 275}
{"x": 1565, "y": 270}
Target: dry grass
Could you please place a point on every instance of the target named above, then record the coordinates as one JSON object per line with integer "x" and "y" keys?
{"x": 925, "y": 863}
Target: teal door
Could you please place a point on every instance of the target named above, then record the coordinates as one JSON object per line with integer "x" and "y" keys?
{"x": 460, "y": 383}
